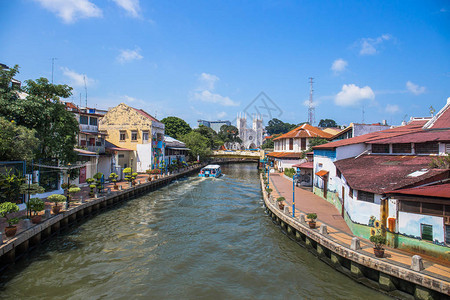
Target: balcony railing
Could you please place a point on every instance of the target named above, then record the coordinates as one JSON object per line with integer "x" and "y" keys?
{"x": 97, "y": 149}
{"x": 88, "y": 128}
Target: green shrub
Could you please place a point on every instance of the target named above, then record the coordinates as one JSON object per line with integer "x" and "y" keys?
{"x": 312, "y": 216}
{"x": 36, "y": 205}
{"x": 289, "y": 172}
{"x": 8, "y": 208}
{"x": 279, "y": 199}
{"x": 268, "y": 190}
{"x": 378, "y": 241}
{"x": 74, "y": 190}
{"x": 55, "y": 198}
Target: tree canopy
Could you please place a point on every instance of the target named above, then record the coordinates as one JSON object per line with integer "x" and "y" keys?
{"x": 16, "y": 142}
{"x": 176, "y": 127}
{"x": 214, "y": 141}
{"x": 268, "y": 143}
{"x": 198, "y": 144}
{"x": 276, "y": 126}
{"x": 56, "y": 128}
{"x": 327, "y": 123}
{"x": 229, "y": 134}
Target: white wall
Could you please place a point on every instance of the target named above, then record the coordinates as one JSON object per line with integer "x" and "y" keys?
{"x": 104, "y": 165}
{"x": 409, "y": 224}
{"x": 143, "y": 157}
{"x": 350, "y": 151}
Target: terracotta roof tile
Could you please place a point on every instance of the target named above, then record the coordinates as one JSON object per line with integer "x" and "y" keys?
{"x": 438, "y": 190}
{"x": 284, "y": 154}
{"x": 305, "y": 130}
{"x": 145, "y": 114}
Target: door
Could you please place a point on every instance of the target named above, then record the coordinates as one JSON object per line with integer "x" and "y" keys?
{"x": 325, "y": 186}
{"x": 342, "y": 202}
{"x": 83, "y": 174}
{"x": 303, "y": 143}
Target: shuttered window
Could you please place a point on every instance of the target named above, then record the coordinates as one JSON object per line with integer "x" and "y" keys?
{"x": 409, "y": 206}
{"x": 447, "y": 234}
{"x": 401, "y": 148}
{"x": 427, "y": 232}
{"x": 380, "y": 148}
{"x": 366, "y": 196}
{"x": 432, "y": 209}
{"x": 427, "y": 148}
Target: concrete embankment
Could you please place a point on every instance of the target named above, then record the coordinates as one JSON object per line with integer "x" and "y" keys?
{"x": 18, "y": 246}
{"x": 395, "y": 280}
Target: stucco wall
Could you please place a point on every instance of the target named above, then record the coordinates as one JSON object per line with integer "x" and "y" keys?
{"x": 409, "y": 225}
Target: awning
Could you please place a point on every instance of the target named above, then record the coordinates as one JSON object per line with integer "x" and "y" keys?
{"x": 322, "y": 173}
{"x": 177, "y": 148}
{"x": 82, "y": 152}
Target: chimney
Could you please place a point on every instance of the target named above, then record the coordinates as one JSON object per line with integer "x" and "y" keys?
{"x": 384, "y": 122}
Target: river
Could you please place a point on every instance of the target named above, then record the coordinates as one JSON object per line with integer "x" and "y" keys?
{"x": 198, "y": 238}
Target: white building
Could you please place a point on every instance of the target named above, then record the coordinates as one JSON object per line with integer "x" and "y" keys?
{"x": 252, "y": 138}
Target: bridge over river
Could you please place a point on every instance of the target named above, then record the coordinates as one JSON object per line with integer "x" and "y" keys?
{"x": 196, "y": 238}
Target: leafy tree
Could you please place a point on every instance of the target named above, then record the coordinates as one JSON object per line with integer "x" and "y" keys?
{"x": 176, "y": 127}
{"x": 16, "y": 142}
{"x": 327, "y": 123}
{"x": 56, "y": 128}
{"x": 229, "y": 134}
{"x": 276, "y": 126}
{"x": 198, "y": 145}
{"x": 10, "y": 184}
{"x": 269, "y": 143}
{"x": 212, "y": 136}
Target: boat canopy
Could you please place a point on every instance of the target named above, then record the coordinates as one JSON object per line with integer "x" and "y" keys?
{"x": 212, "y": 167}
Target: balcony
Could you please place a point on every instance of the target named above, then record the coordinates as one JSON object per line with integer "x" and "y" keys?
{"x": 96, "y": 149}
{"x": 88, "y": 128}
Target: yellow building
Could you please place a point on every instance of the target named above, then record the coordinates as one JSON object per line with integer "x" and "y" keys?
{"x": 134, "y": 129}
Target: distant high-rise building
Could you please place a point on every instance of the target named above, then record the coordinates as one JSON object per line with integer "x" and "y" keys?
{"x": 214, "y": 125}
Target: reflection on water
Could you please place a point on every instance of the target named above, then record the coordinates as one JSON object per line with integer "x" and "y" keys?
{"x": 197, "y": 238}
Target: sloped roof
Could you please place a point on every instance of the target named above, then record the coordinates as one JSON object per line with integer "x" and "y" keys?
{"x": 305, "y": 165}
{"x": 305, "y": 130}
{"x": 416, "y": 137}
{"x": 284, "y": 154}
{"x": 381, "y": 173}
{"x": 145, "y": 114}
{"x": 111, "y": 146}
{"x": 441, "y": 120}
{"x": 414, "y": 126}
{"x": 438, "y": 190}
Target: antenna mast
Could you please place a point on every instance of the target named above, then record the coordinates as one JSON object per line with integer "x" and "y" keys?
{"x": 311, "y": 109}
{"x": 53, "y": 64}
{"x": 363, "y": 114}
{"x": 85, "y": 87}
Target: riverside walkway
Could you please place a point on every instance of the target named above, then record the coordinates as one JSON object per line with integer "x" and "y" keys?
{"x": 307, "y": 202}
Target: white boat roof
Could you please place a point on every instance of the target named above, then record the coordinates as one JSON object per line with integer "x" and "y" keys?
{"x": 212, "y": 167}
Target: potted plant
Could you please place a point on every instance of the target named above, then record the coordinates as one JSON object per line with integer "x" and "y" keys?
{"x": 5, "y": 209}
{"x": 99, "y": 179}
{"x": 113, "y": 177}
{"x": 73, "y": 191}
{"x": 133, "y": 178}
{"x": 92, "y": 186}
{"x": 312, "y": 220}
{"x": 378, "y": 241}
{"x": 280, "y": 202}
{"x": 149, "y": 173}
{"x": 128, "y": 176}
{"x": 55, "y": 198}
{"x": 31, "y": 189}
{"x": 268, "y": 190}
{"x": 36, "y": 205}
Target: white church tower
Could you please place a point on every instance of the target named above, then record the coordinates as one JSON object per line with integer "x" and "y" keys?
{"x": 251, "y": 137}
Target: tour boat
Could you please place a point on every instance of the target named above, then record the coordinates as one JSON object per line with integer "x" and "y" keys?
{"x": 210, "y": 171}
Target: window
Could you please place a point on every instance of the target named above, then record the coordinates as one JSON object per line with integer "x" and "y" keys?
{"x": 447, "y": 234}
{"x": 291, "y": 144}
{"x": 401, "y": 148}
{"x": 121, "y": 155}
{"x": 432, "y": 209}
{"x": 93, "y": 121}
{"x": 365, "y": 196}
{"x": 84, "y": 120}
{"x": 145, "y": 136}
{"x": 380, "y": 148}
{"x": 410, "y": 206}
{"x": 350, "y": 192}
{"x": 134, "y": 135}
{"x": 122, "y": 135}
{"x": 427, "y": 148}
{"x": 303, "y": 143}
{"x": 83, "y": 143}
{"x": 91, "y": 141}
{"x": 426, "y": 232}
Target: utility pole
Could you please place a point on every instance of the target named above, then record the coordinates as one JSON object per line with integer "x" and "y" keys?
{"x": 85, "y": 88}
{"x": 363, "y": 114}
{"x": 311, "y": 109}
{"x": 53, "y": 65}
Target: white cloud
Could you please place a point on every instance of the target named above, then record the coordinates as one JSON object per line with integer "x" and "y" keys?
{"x": 392, "y": 108}
{"x": 339, "y": 65}
{"x": 133, "y": 100}
{"x": 221, "y": 115}
{"x": 352, "y": 94}
{"x": 205, "y": 91}
{"x": 208, "y": 81}
{"x": 71, "y": 10}
{"x": 132, "y": 7}
{"x": 368, "y": 45}
{"x": 207, "y": 96}
{"x": 314, "y": 104}
{"x": 128, "y": 55}
{"x": 77, "y": 79}
{"x": 414, "y": 88}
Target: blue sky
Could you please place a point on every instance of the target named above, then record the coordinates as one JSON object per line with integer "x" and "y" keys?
{"x": 210, "y": 59}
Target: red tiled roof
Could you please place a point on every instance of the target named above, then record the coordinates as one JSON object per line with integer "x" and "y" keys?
{"x": 305, "y": 165}
{"x": 381, "y": 173}
{"x": 442, "y": 120}
{"x": 439, "y": 190}
{"x": 145, "y": 114}
{"x": 414, "y": 126}
{"x": 416, "y": 137}
{"x": 305, "y": 130}
{"x": 284, "y": 154}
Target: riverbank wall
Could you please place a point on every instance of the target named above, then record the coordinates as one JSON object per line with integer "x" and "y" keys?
{"x": 17, "y": 247}
{"x": 396, "y": 281}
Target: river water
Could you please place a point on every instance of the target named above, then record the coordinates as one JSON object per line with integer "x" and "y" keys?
{"x": 198, "y": 238}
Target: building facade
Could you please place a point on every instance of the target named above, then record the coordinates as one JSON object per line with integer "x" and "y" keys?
{"x": 214, "y": 125}
{"x": 252, "y": 138}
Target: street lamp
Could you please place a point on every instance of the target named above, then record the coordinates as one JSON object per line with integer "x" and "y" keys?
{"x": 295, "y": 178}
{"x": 268, "y": 175}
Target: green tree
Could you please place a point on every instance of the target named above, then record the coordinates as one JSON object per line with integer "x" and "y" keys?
{"x": 229, "y": 134}
{"x": 212, "y": 136}
{"x": 198, "y": 144}
{"x": 176, "y": 127}
{"x": 268, "y": 143}
{"x": 56, "y": 128}
{"x": 276, "y": 126}
{"x": 327, "y": 123}
{"x": 316, "y": 141}
{"x": 16, "y": 142}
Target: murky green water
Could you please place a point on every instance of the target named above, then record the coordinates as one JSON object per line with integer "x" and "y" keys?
{"x": 197, "y": 238}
